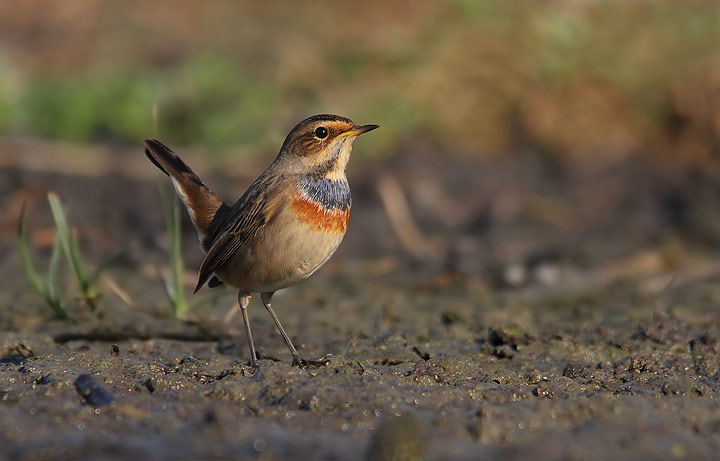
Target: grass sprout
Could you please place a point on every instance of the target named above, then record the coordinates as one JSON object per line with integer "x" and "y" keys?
{"x": 174, "y": 285}
{"x": 46, "y": 289}
{"x": 87, "y": 281}
{"x": 65, "y": 245}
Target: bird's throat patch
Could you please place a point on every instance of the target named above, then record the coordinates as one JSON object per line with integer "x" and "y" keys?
{"x": 330, "y": 193}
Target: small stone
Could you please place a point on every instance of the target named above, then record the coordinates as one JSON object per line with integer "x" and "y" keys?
{"x": 574, "y": 370}
{"x": 504, "y": 352}
{"x": 542, "y": 390}
{"x": 92, "y": 391}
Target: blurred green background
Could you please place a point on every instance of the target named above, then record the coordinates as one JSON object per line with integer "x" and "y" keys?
{"x": 560, "y": 78}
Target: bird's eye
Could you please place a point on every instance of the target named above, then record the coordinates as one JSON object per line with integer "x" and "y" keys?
{"x": 321, "y": 132}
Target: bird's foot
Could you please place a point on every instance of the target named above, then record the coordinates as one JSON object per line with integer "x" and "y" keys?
{"x": 253, "y": 364}
{"x": 319, "y": 362}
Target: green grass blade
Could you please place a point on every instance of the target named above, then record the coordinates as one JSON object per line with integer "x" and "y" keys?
{"x": 53, "y": 269}
{"x": 54, "y": 298}
{"x": 24, "y": 254}
{"x": 176, "y": 261}
{"x": 70, "y": 248}
{"x": 47, "y": 292}
{"x": 167, "y": 217}
{"x": 63, "y": 230}
{"x": 166, "y": 202}
{"x": 174, "y": 286}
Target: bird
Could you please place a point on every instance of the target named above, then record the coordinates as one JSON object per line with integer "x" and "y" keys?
{"x": 285, "y": 226}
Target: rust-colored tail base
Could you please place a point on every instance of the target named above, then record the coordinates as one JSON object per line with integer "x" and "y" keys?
{"x": 201, "y": 203}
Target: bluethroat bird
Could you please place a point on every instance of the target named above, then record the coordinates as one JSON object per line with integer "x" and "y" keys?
{"x": 284, "y": 227}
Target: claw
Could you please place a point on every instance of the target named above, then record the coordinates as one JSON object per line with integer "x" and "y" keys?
{"x": 319, "y": 362}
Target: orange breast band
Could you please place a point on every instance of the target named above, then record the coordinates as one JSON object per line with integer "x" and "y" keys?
{"x": 328, "y": 220}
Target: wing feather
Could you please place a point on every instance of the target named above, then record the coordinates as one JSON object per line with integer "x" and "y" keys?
{"x": 252, "y": 212}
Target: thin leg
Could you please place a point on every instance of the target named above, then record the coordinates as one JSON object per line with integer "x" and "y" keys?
{"x": 297, "y": 360}
{"x": 266, "y": 297}
{"x": 243, "y": 301}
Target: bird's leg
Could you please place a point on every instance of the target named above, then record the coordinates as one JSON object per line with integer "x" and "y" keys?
{"x": 297, "y": 360}
{"x": 243, "y": 301}
{"x": 266, "y": 297}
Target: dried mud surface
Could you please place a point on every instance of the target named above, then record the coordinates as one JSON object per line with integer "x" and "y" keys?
{"x": 560, "y": 324}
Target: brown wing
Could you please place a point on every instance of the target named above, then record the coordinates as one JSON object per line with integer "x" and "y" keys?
{"x": 249, "y": 215}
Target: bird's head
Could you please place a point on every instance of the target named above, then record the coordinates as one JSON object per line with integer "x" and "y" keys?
{"x": 321, "y": 145}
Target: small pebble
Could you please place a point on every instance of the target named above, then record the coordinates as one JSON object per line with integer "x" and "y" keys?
{"x": 93, "y": 392}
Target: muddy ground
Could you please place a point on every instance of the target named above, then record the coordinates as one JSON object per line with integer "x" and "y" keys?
{"x": 536, "y": 311}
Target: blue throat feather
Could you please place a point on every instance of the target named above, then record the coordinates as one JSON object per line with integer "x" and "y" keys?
{"x": 330, "y": 193}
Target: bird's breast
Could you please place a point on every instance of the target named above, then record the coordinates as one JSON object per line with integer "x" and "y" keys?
{"x": 299, "y": 239}
{"x": 323, "y": 204}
